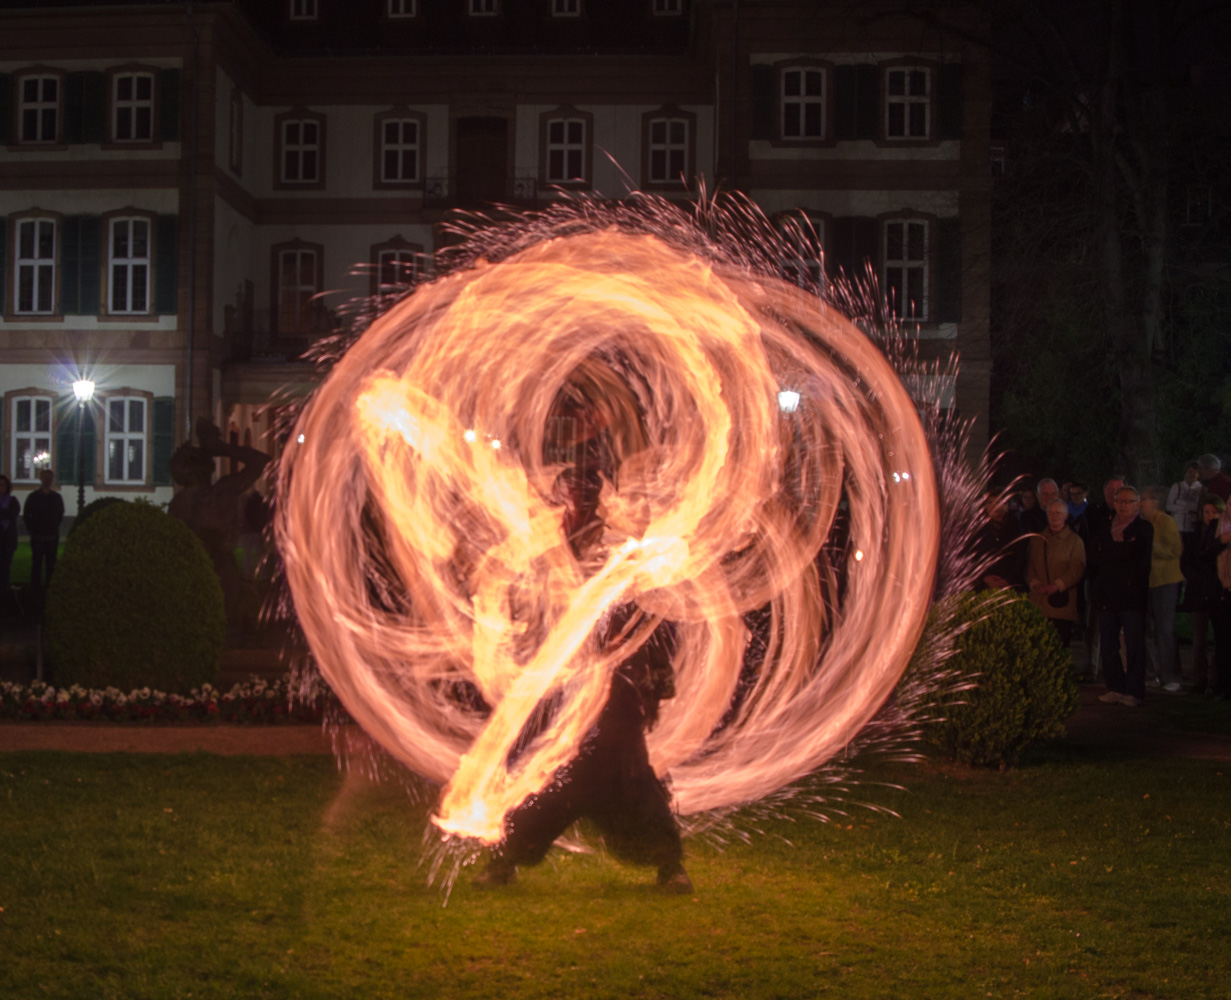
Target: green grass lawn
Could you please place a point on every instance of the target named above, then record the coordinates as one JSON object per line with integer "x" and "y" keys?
{"x": 1078, "y": 876}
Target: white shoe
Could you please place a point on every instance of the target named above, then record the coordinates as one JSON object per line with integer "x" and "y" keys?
{"x": 1110, "y": 698}
{"x": 1130, "y": 701}
{"x": 1173, "y": 688}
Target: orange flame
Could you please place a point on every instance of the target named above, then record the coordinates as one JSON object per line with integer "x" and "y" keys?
{"x": 426, "y": 557}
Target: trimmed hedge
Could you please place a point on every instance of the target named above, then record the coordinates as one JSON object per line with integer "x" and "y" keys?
{"x": 1024, "y": 689}
{"x": 135, "y": 602}
{"x": 92, "y": 508}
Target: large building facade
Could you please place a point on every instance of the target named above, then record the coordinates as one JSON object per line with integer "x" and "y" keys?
{"x": 191, "y": 193}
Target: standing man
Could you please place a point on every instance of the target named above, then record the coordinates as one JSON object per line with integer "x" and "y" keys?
{"x": 43, "y": 513}
{"x": 1216, "y": 481}
{"x": 1119, "y": 566}
{"x": 1165, "y": 580}
{"x": 1035, "y": 520}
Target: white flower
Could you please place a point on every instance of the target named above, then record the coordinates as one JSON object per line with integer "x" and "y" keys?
{"x": 96, "y": 698}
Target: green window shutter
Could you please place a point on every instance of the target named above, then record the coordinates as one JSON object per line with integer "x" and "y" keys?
{"x": 867, "y": 101}
{"x": 85, "y": 107}
{"x": 80, "y": 251}
{"x": 163, "y": 446}
{"x": 764, "y": 102}
{"x": 844, "y": 101}
{"x": 70, "y": 265}
{"x": 66, "y": 448}
{"x": 91, "y": 265}
{"x": 865, "y": 245}
{"x": 166, "y": 274}
{"x": 4, "y": 245}
{"x": 169, "y": 105}
{"x": 839, "y": 244}
{"x": 948, "y": 258}
{"x": 6, "y": 109}
{"x": 949, "y": 93}
{"x": 93, "y": 107}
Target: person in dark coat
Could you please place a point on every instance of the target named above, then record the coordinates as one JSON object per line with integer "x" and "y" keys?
{"x": 10, "y": 510}
{"x": 1001, "y": 544}
{"x": 1203, "y": 591}
{"x": 1119, "y": 568}
{"x": 43, "y": 513}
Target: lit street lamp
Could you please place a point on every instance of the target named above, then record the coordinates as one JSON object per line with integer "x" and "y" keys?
{"x": 83, "y": 389}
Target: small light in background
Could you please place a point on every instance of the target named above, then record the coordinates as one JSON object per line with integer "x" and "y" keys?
{"x": 788, "y": 400}
{"x": 470, "y": 436}
{"x": 496, "y": 443}
{"x": 859, "y": 555}
{"x": 299, "y": 439}
{"x": 83, "y": 390}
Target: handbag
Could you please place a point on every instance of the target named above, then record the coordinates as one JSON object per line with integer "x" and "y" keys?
{"x": 1058, "y": 598}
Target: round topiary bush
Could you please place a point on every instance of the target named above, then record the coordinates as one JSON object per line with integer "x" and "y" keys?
{"x": 1023, "y": 686}
{"x": 135, "y": 602}
{"x": 92, "y": 508}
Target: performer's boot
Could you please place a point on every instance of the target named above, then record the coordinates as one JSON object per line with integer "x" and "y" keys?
{"x": 672, "y": 878}
{"x": 498, "y": 872}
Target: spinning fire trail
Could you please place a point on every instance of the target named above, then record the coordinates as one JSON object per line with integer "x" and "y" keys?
{"x": 425, "y": 541}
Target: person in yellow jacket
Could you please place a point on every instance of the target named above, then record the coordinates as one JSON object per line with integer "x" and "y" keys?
{"x": 1165, "y": 580}
{"x": 1054, "y": 568}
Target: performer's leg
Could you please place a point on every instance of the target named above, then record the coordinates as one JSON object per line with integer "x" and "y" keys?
{"x": 532, "y": 827}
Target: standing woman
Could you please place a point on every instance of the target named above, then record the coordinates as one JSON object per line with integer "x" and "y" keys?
{"x": 10, "y": 509}
{"x": 1056, "y": 565}
{"x": 1220, "y": 611}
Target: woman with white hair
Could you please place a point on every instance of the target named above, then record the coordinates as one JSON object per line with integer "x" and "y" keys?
{"x": 1055, "y": 566}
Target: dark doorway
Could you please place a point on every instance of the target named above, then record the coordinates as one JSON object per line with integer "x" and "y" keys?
{"x": 482, "y": 159}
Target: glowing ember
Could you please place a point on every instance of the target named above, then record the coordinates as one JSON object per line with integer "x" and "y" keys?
{"x": 425, "y": 539}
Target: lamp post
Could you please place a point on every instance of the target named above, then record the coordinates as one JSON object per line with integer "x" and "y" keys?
{"x": 83, "y": 389}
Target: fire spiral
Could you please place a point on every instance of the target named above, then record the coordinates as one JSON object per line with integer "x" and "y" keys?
{"x": 760, "y": 456}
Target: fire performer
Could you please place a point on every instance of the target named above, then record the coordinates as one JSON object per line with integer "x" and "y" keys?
{"x": 610, "y": 781}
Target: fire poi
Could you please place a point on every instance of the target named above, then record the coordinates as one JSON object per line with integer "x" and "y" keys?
{"x": 426, "y": 549}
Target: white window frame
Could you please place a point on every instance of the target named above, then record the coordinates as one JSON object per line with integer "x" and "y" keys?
{"x": 801, "y": 102}
{"x": 897, "y": 272}
{"x": 134, "y": 106}
{"x": 566, "y": 8}
{"x": 483, "y": 8}
{"x": 41, "y": 107}
{"x": 566, "y": 148}
{"x": 667, "y": 8}
{"x": 39, "y": 268}
{"x": 401, "y": 8}
{"x": 666, "y": 147}
{"x": 404, "y": 264}
{"x": 40, "y": 442}
{"x": 302, "y": 304}
{"x": 302, "y": 10}
{"x": 300, "y": 148}
{"x": 130, "y": 275}
{"x": 401, "y": 148}
{"x": 125, "y": 437}
{"x": 907, "y": 101}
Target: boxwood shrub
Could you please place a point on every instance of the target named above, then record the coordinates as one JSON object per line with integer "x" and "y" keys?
{"x": 1023, "y": 686}
{"x": 135, "y": 602}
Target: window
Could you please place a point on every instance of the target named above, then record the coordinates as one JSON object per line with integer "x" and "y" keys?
{"x": 566, "y": 150}
{"x": 803, "y": 103}
{"x": 34, "y": 271}
{"x": 668, "y": 150}
{"x": 483, "y": 8}
{"x": 31, "y": 423}
{"x": 303, "y": 10}
{"x": 298, "y": 281}
{"x": 565, "y": 8}
{"x": 132, "y": 107}
{"x": 668, "y": 7}
{"x": 906, "y": 268}
{"x": 397, "y": 266}
{"x": 38, "y": 109}
{"x": 125, "y": 441}
{"x": 129, "y": 266}
{"x": 235, "y": 133}
{"x": 803, "y": 235}
{"x": 399, "y": 150}
{"x": 908, "y": 102}
{"x": 400, "y": 8}
{"x": 301, "y": 150}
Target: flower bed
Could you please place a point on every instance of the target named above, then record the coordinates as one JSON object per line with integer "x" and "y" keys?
{"x": 257, "y": 701}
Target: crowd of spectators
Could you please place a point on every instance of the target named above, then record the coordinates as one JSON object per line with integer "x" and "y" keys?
{"x": 1120, "y": 569}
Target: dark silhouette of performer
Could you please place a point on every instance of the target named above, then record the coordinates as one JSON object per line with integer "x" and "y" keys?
{"x": 610, "y": 781}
